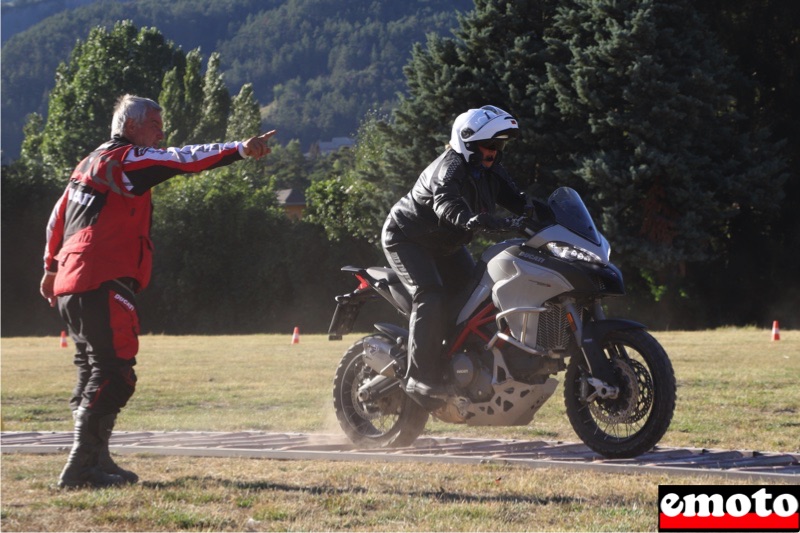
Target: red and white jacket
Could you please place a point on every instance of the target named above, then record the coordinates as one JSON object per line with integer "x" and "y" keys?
{"x": 99, "y": 229}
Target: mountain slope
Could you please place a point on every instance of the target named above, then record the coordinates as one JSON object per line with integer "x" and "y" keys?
{"x": 317, "y": 65}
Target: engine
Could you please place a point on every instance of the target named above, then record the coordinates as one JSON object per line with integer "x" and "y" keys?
{"x": 495, "y": 388}
{"x": 471, "y": 373}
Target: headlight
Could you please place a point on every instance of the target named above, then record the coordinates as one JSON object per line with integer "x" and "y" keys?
{"x": 572, "y": 253}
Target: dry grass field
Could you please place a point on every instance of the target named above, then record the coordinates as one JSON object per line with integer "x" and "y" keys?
{"x": 737, "y": 389}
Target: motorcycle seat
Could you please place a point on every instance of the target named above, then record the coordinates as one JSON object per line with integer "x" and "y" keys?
{"x": 384, "y": 274}
{"x": 386, "y": 278}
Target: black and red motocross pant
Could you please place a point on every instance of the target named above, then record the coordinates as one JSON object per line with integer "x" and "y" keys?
{"x": 104, "y": 323}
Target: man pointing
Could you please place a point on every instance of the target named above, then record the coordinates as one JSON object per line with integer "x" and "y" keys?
{"x": 98, "y": 256}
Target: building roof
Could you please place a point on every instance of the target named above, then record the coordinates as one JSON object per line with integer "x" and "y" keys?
{"x": 326, "y": 147}
{"x": 291, "y": 197}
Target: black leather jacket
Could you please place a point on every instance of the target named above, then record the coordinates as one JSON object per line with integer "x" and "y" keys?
{"x": 447, "y": 194}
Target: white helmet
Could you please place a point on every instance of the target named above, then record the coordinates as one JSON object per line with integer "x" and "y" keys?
{"x": 488, "y": 122}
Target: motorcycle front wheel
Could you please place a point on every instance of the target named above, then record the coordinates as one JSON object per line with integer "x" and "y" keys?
{"x": 633, "y": 422}
{"x": 393, "y": 420}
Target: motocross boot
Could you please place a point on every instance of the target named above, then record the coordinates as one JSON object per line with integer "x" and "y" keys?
{"x": 81, "y": 466}
{"x": 105, "y": 426}
{"x": 420, "y": 388}
{"x": 431, "y": 397}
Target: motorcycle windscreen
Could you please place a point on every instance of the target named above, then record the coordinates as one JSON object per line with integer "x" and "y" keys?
{"x": 571, "y": 212}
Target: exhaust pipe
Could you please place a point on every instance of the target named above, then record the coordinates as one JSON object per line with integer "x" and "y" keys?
{"x": 377, "y": 388}
{"x": 377, "y": 355}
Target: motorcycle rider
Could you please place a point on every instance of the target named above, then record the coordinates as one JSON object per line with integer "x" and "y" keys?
{"x": 426, "y": 232}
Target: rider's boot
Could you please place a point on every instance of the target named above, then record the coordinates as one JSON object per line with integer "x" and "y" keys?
{"x": 425, "y": 388}
{"x": 104, "y": 460}
{"x": 81, "y": 468}
{"x": 426, "y": 393}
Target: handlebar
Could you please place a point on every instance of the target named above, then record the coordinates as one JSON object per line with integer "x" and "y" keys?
{"x": 528, "y": 226}
{"x": 538, "y": 216}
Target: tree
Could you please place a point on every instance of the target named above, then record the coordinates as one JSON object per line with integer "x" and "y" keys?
{"x": 245, "y": 119}
{"x": 663, "y": 153}
{"x": 29, "y": 166}
{"x": 497, "y": 56}
{"x": 101, "y": 69}
{"x": 352, "y": 200}
{"x": 627, "y": 101}
{"x": 325, "y": 63}
{"x": 764, "y": 38}
{"x": 196, "y": 105}
{"x": 216, "y": 103}
{"x": 177, "y": 121}
{"x": 211, "y": 227}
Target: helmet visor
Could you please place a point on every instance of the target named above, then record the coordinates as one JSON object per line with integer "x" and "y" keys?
{"x": 493, "y": 144}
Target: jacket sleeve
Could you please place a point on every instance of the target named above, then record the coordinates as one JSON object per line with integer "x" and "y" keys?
{"x": 448, "y": 202}
{"x": 144, "y": 168}
{"x": 55, "y": 233}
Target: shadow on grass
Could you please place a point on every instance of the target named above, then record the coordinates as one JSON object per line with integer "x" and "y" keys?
{"x": 440, "y": 495}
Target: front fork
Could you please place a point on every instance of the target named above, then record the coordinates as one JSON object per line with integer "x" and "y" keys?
{"x": 602, "y": 376}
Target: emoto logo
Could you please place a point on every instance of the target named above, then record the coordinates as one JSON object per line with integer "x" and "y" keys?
{"x": 728, "y": 508}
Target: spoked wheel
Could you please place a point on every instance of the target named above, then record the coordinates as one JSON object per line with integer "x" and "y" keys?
{"x": 634, "y": 421}
{"x": 393, "y": 420}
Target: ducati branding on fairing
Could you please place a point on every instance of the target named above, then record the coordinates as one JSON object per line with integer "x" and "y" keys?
{"x": 533, "y": 258}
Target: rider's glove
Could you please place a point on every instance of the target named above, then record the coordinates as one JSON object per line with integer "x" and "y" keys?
{"x": 538, "y": 210}
{"x": 515, "y": 223}
{"x": 530, "y": 212}
{"x": 487, "y": 222}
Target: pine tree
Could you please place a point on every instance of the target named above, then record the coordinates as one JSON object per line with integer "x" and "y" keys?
{"x": 628, "y": 101}
{"x": 497, "y": 56}
{"x": 644, "y": 91}
{"x": 764, "y": 37}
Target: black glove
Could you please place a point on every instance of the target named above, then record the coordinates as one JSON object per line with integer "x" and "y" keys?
{"x": 487, "y": 222}
{"x": 538, "y": 211}
{"x": 530, "y": 212}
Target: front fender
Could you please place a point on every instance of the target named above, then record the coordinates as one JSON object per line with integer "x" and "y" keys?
{"x": 594, "y": 333}
{"x": 599, "y": 329}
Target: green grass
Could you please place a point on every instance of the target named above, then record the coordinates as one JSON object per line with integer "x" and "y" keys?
{"x": 736, "y": 389}
{"x": 228, "y": 494}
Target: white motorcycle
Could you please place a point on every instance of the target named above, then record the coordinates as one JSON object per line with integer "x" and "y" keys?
{"x": 533, "y": 310}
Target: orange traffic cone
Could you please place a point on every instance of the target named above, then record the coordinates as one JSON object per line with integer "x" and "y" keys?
{"x": 776, "y": 332}
{"x": 296, "y": 335}
{"x": 63, "y": 339}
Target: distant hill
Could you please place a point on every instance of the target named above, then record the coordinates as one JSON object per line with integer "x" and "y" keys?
{"x": 19, "y": 15}
{"x": 317, "y": 65}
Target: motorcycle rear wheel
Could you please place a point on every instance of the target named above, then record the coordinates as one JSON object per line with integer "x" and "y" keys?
{"x": 394, "y": 420}
{"x": 635, "y": 421}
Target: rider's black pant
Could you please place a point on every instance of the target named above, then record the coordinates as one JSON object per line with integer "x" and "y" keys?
{"x": 432, "y": 278}
{"x": 104, "y": 324}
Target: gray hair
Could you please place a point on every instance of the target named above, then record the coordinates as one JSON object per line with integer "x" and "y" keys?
{"x": 131, "y": 107}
